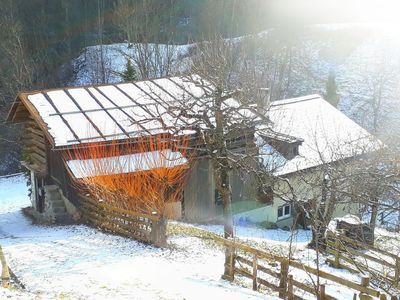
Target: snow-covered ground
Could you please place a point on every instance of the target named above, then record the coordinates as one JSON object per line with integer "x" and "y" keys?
{"x": 78, "y": 262}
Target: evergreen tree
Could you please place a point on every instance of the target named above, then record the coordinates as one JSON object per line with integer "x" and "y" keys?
{"x": 130, "y": 73}
{"x": 331, "y": 90}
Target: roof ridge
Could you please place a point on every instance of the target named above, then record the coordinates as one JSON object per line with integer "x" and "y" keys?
{"x": 296, "y": 99}
{"x": 46, "y": 90}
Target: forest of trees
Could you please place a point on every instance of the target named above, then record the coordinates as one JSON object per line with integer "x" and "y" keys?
{"x": 40, "y": 37}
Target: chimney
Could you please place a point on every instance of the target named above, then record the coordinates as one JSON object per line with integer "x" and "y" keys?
{"x": 263, "y": 99}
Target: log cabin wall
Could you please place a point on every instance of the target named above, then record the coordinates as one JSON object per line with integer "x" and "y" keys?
{"x": 34, "y": 142}
{"x": 59, "y": 176}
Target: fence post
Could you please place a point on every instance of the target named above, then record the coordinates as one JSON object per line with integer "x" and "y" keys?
{"x": 5, "y": 272}
{"x": 229, "y": 272}
{"x": 255, "y": 272}
{"x": 322, "y": 294}
{"x": 397, "y": 271}
{"x": 382, "y": 297}
{"x": 283, "y": 279}
{"x": 337, "y": 254}
{"x": 290, "y": 287}
{"x": 365, "y": 283}
{"x": 158, "y": 232}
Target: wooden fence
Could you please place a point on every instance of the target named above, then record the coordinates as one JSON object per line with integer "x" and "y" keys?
{"x": 273, "y": 271}
{"x": 145, "y": 228}
{"x": 349, "y": 254}
{"x": 5, "y": 272}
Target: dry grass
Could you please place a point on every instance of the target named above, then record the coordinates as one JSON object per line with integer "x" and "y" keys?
{"x": 158, "y": 178}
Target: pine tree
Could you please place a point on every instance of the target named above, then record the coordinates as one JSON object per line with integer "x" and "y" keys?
{"x": 331, "y": 90}
{"x": 130, "y": 73}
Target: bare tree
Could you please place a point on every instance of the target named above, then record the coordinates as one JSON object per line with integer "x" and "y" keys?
{"x": 18, "y": 72}
{"x": 125, "y": 11}
{"x": 373, "y": 90}
{"x": 226, "y": 117}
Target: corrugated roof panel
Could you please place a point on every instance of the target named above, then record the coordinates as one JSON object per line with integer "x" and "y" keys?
{"x": 62, "y": 101}
{"x": 84, "y": 99}
{"x": 133, "y": 90}
{"x": 175, "y": 85}
{"x": 81, "y": 125}
{"x": 121, "y": 118}
{"x": 113, "y": 93}
{"x": 104, "y": 123}
{"x": 56, "y": 126}
{"x": 126, "y": 163}
{"x": 58, "y": 130}
{"x": 103, "y": 100}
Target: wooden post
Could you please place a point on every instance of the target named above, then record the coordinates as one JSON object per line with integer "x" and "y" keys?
{"x": 158, "y": 232}
{"x": 382, "y": 297}
{"x": 255, "y": 272}
{"x": 366, "y": 297}
{"x": 5, "y": 272}
{"x": 365, "y": 283}
{"x": 290, "y": 288}
{"x": 397, "y": 271}
{"x": 229, "y": 271}
{"x": 283, "y": 279}
{"x": 337, "y": 254}
{"x": 322, "y": 294}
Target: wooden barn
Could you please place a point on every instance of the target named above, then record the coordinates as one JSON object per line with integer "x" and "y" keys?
{"x": 56, "y": 121}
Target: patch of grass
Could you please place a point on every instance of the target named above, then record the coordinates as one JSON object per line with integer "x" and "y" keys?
{"x": 267, "y": 225}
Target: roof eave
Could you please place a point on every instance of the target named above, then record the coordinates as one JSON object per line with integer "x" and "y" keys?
{"x": 22, "y": 98}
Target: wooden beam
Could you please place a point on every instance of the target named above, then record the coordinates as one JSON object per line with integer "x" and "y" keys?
{"x": 33, "y": 142}
{"x": 37, "y": 131}
{"x": 36, "y": 157}
{"x": 35, "y": 137}
{"x": 36, "y": 150}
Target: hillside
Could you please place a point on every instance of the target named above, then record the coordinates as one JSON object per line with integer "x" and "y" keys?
{"x": 362, "y": 57}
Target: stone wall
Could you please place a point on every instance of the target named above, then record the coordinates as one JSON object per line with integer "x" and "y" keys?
{"x": 57, "y": 209}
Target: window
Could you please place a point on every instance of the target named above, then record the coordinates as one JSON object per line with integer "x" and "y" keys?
{"x": 283, "y": 211}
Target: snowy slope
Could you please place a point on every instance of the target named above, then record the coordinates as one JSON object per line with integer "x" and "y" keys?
{"x": 349, "y": 50}
{"x": 77, "y": 262}
{"x": 110, "y": 61}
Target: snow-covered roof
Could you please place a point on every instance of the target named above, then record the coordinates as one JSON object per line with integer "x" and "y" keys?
{"x": 119, "y": 111}
{"x": 126, "y": 163}
{"x": 328, "y": 135}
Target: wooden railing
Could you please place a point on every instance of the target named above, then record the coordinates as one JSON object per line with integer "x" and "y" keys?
{"x": 5, "y": 272}
{"x": 349, "y": 254}
{"x": 278, "y": 278}
{"x": 273, "y": 271}
{"x": 145, "y": 228}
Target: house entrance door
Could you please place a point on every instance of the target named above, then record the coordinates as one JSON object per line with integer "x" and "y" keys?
{"x": 38, "y": 191}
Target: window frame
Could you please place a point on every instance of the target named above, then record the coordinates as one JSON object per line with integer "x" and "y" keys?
{"x": 284, "y": 216}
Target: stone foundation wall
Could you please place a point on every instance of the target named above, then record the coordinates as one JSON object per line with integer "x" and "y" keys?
{"x": 57, "y": 209}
